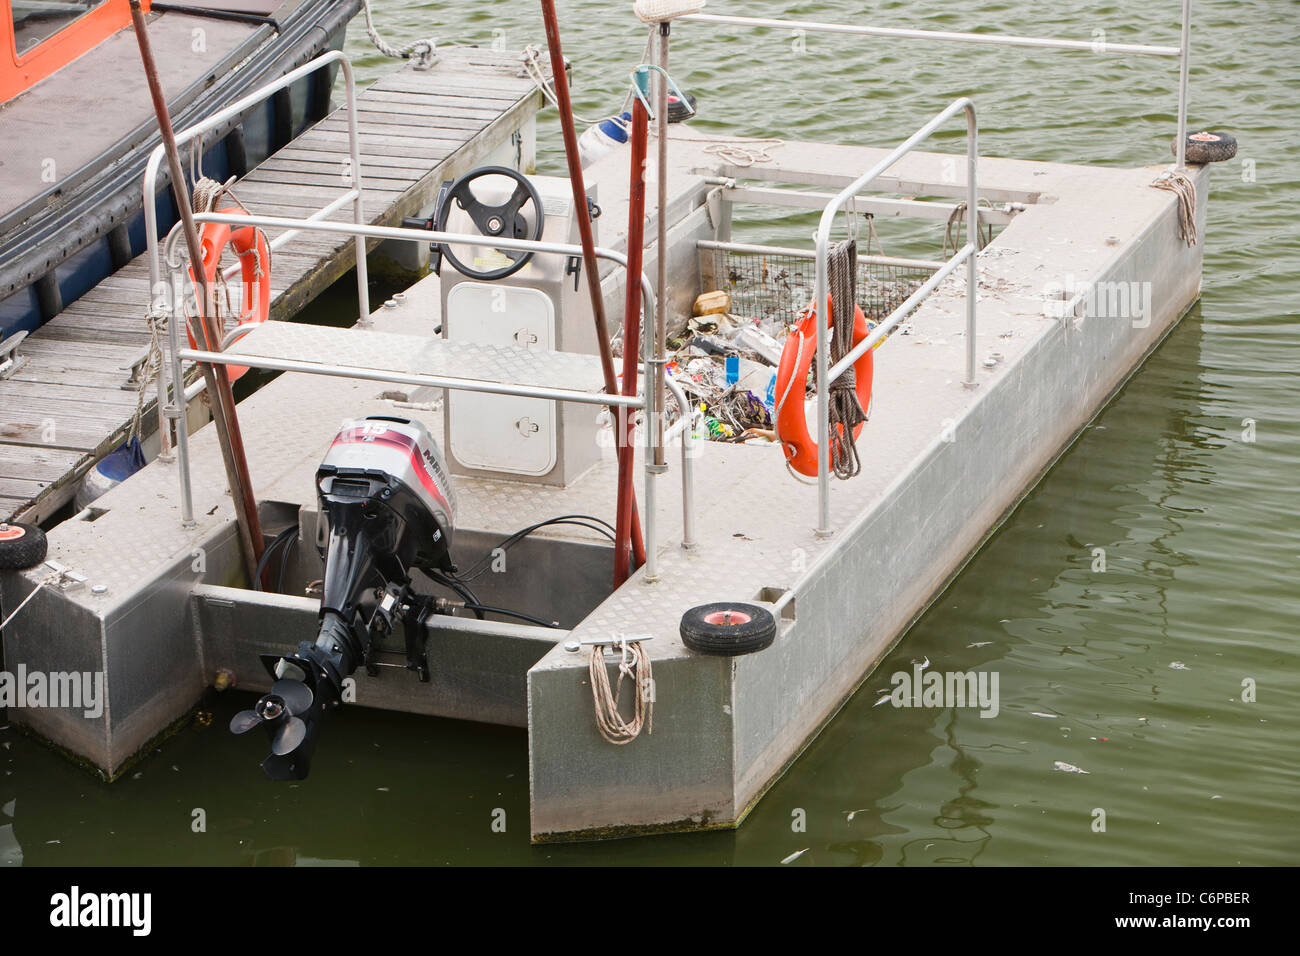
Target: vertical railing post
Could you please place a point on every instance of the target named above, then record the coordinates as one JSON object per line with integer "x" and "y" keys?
{"x": 822, "y": 308}
{"x": 175, "y": 311}
{"x": 1184, "y": 49}
{"x": 648, "y": 414}
{"x": 359, "y": 203}
{"x": 972, "y": 237}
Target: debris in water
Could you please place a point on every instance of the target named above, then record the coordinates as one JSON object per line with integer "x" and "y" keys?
{"x": 1064, "y": 767}
{"x": 794, "y": 856}
{"x": 1178, "y": 666}
{"x": 1038, "y": 713}
{"x": 979, "y": 644}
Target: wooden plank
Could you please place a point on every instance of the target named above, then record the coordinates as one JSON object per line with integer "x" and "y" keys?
{"x": 395, "y": 144}
{"x": 110, "y": 336}
{"x": 489, "y": 95}
{"x": 106, "y": 376}
{"x": 479, "y": 85}
{"x": 80, "y": 435}
{"x": 406, "y": 133}
{"x": 370, "y": 118}
{"x": 331, "y": 171}
{"x": 332, "y": 174}
{"x": 12, "y": 389}
{"x": 20, "y": 488}
{"x": 78, "y": 352}
{"x": 448, "y": 105}
{"x": 368, "y": 158}
{"x": 401, "y": 105}
{"x": 313, "y": 196}
{"x": 330, "y": 145}
{"x": 38, "y": 464}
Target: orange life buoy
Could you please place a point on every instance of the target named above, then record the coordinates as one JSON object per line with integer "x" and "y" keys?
{"x": 254, "y": 254}
{"x": 791, "y": 378}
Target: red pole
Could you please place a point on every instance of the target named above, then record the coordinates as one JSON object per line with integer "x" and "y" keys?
{"x": 216, "y": 377}
{"x": 561, "y": 80}
{"x": 631, "y": 338}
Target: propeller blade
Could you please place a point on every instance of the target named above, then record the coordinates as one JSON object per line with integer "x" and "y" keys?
{"x": 244, "y": 721}
{"x": 296, "y": 695}
{"x": 291, "y": 733}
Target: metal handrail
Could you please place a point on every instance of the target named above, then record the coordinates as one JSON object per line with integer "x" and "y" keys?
{"x": 822, "y": 299}
{"x": 1181, "y": 51}
{"x": 177, "y": 265}
{"x": 967, "y": 252}
{"x": 355, "y": 194}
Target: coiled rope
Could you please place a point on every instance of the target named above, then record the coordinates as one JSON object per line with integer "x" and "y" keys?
{"x": 744, "y": 153}
{"x": 952, "y": 236}
{"x": 423, "y": 51}
{"x": 1185, "y": 190}
{"x": 634, "y": 664}
{"x": 846, "y": 412}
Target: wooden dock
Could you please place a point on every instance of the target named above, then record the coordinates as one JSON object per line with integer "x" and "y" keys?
{"x": 71, "y": 403}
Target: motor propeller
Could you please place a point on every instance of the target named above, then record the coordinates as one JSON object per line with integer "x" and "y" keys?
{"x": 279, "y": 712}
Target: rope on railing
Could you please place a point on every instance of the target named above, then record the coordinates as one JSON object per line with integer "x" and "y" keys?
{"x": 846, "y": 412}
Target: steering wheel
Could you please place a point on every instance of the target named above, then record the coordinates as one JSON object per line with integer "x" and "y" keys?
{"x": 503, "y": 220}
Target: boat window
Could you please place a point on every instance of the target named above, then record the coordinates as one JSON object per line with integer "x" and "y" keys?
{"x": 37, "y": 20}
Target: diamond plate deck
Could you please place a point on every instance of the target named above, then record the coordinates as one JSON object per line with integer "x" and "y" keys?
{"x": 418, "y": 355}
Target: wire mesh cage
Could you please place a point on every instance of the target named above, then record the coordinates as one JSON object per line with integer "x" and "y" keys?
{"x": 777, "y": 287}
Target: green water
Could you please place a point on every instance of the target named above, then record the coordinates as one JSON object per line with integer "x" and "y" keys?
{"x": 1139, "y": 669}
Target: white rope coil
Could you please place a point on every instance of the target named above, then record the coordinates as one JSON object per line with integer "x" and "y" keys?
{"x": 634, "y": 664}
{"x": 1185, "y": 189}
{"x": 746, "y": 153}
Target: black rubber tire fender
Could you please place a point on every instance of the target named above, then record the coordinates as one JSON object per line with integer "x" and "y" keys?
{"x": 1207, "y": 147}
{"x": 22, "y": 546}
{"x": 728, "y": 628}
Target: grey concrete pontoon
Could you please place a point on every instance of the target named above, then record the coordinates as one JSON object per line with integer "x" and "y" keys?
{"x": 974, "y": 398}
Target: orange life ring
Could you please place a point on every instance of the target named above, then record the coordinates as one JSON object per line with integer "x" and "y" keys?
{"x": 254, "y": 254}
{"x": 791, "y": 378}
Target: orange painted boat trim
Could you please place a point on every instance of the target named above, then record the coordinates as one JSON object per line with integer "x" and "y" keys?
{"x": 20, "y": 73}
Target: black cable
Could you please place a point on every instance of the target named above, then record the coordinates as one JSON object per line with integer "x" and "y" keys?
{"x": 467, "y": 595}
{"x": 479, "y": 608}
{"x": 284, "y": 562}
{"x": 280, "y": 539}
{"x": 598, "y": 525}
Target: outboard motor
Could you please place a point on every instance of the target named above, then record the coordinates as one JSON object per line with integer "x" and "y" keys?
{"x": 383, "y": 491}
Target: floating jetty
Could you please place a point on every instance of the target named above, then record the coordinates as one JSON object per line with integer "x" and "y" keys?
{"x": 468, "y": 421}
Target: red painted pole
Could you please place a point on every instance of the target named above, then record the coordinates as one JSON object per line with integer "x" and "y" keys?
{"x": 561, "y": 80}
{"x": 631, "y": 337}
